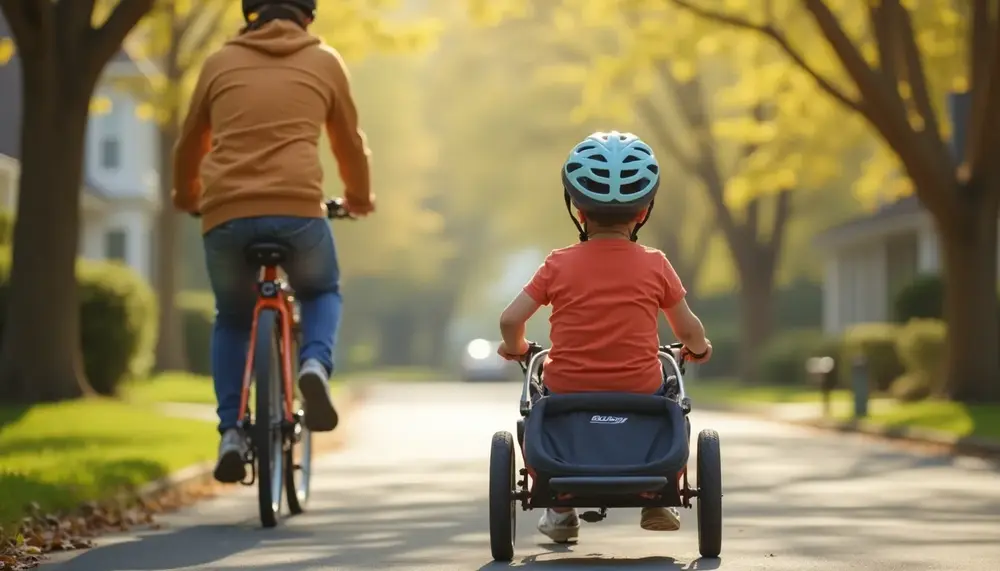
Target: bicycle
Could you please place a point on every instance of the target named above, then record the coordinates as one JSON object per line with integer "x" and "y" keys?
{"x": 272, "y": 362}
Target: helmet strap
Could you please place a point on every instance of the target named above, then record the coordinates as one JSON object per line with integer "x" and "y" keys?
{"x": 635, "y": 231}
{"x": 581, "y": 228}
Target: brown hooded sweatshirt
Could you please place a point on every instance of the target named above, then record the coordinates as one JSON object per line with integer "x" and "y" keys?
{"x": 254, "y": 126}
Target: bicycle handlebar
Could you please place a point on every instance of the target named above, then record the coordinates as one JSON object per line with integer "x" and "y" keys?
{"x": 534, "y": 348}
{"x": 335, "y": 210}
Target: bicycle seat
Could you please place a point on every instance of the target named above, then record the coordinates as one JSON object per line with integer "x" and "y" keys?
{"x": 267, "y": 254}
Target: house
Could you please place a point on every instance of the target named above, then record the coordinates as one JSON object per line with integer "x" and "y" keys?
{"x": 870, "y": 258}
{"x": 120, "y": 197}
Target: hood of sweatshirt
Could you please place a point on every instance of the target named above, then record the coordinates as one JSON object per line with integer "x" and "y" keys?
{"x": 276, "y": 38}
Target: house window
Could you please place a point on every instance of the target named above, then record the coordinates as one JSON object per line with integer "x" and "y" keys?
{"x": 110, "y": 153}
{"x": 116, "y": 245}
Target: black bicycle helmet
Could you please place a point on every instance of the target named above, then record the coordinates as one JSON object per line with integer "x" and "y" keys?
{"x": 251, "y": 6}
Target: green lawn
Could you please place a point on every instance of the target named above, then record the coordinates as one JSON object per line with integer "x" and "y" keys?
{"x": 982, "y": 421}
{"x": 60, "y": 455}
{"x": 730, "y": 391}
{"x": 949, "y": 417}
{"x": 172, "y": 387}
{"x": 182, "y": 388}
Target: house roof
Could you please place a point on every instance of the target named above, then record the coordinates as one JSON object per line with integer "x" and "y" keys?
{"x": 894, "y": 216}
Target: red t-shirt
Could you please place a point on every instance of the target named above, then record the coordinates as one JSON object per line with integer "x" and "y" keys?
{"x": 606, "y": 296}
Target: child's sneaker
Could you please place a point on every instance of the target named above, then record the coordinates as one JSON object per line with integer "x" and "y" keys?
{"x": 660, "y": 519}
{"x": 560, "y": 527}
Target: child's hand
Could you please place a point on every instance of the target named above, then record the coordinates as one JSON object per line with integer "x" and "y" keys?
{"x": 515, "y": 353}
{"x": 692, "y": 357}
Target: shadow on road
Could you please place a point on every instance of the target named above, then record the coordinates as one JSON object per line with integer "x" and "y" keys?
{"x": 597, "y": 561}
{"x": 201, "y": 545}
{"x": 798, "y": 495}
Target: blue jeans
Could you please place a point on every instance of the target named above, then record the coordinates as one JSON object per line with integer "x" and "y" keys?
{"x": 312, "y": 272}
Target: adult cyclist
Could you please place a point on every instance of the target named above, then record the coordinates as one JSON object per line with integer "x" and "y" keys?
{"x": 248, "y": 161}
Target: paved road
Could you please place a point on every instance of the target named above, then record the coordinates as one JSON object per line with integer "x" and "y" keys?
{"x": 410, "y": 493}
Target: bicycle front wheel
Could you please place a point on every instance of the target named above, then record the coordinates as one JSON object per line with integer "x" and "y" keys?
{"x": 268, "y": 439}
{"x": 298, "y": 457}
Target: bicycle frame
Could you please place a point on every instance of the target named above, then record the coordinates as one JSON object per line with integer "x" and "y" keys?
{"x": 272, "y": 295}
{"x": 669, "y": 360}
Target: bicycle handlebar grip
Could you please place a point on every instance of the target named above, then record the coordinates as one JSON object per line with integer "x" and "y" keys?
{"x": 335, "y": 209}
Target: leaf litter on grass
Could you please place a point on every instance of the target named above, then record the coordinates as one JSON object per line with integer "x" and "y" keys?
{"x": 40, "y": 532}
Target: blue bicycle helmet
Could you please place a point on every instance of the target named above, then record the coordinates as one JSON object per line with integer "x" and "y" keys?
{"x": 611, "y": 172}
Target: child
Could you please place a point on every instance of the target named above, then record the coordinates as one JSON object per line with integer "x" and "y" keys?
{"x": 606, "y": 293}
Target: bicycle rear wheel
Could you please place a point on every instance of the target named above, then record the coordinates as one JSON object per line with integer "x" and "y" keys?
{"x": 267, "y": 434}
{"x": 298, "y": 456}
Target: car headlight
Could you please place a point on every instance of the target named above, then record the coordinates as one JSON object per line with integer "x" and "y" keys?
{"x": 479, "y": 349}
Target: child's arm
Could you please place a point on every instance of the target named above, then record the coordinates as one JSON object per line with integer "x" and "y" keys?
{"x": 512, "y": 322}
{"x": 687, "y": 327}
{"x": 685, "y": 324}
{"x": 513, "y": 319}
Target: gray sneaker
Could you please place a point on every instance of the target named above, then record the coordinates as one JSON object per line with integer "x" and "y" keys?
{"x": 321, "y": 416}
{"x": 231, "y": 467}
{"x": 560, "y": 527}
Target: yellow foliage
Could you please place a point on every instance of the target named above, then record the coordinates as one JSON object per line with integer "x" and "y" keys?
{"x": 7, "y": 49}
{"x": 100, "y": 106}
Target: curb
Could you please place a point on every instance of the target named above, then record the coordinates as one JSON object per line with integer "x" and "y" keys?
{"x": 953, "y": 445}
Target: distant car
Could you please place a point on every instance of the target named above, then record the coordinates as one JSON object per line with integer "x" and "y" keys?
{"x": 480, "y": 362}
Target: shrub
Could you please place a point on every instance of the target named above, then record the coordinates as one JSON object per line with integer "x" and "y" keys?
{"x": 876, "y": 342}
{"x": 921, "y": 298}
{"x": 783, "y": 359}
{"x": 117, "y": 321}
{"x": 910, "y": 388}
{"x": 725, "y": 354}
{"x": 921, "y": 346}
{"x": 197, "y": 317}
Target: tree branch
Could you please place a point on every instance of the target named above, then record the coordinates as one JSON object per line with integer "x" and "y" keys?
{"x": 31, "y": 22}
{"x": 751, "y": 223}
{"x": 984, "y": 65}
{"x": 697, "y": 262}
{"x": 781, "y": 40}
{"x": 782, "y": 213}
{"x": 203, "y": 40}
{"x": 14, "y": 12}
{"x": 880, "y": 20}
{"x": 690, "y": 101}
{"x": 74, "y": 18}
{"x": 917, "y": 78}
{"x": 654, "y": 121}
{"x": 107, "y": 39}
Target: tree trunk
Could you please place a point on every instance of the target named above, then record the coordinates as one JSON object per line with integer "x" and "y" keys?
{"x": 969, "y": 249}
{"x": 170, "y": 348}
{"x": 41, "y": 358}
{"x": 756, "y": 318}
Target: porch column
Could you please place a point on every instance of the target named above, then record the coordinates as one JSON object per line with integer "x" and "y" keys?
{"x": 831, "y": 295}
{"x": 928, "y": 256}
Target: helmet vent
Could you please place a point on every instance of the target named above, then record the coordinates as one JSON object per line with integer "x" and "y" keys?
{"x": 602, "y": 173}
{"x": 633, "y": 187}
